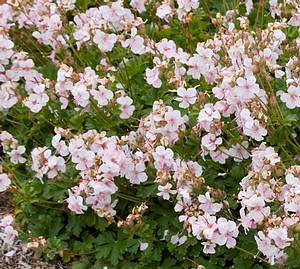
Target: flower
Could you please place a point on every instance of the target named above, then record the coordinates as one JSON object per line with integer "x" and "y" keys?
{"x": 211, "y": 141}
{"x": 60, "y": 146}
{"x": 16, "y": 155}
{"x": 228, "y": 231}
{"x": 6, "y": 46}
{"x": 165, "y": 191}
{"x": 173, "y": 119}
{"x": 239, "y": 152}
{"x": 105, "y": 41}
{"x": 126, "y": 107}
{"x": 152, "y": 77}
{"x": 136, "y": 173}
{"x": 163, "y": 158}
{"x": 164, "y": 11}
{"x": 75, "y": 203}
{"x": 143, "y": 246}
{"x": 280, "y": 237}
{"x": 292, "y": 97}
{"x": 208, "y": 247}
{"x": 187, "y": 97}
{"x": 207, "y": 205}
{"x": 167, "y": 48}
{"x": 102, "y": 96}
{"x": 4, "y": 182}
{"x": 139, "y": 5}
{"x": 81, "y": 95}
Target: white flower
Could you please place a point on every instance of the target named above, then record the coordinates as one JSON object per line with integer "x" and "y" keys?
{"x": 143, "y": 246}
{"x": 165, "y": 191}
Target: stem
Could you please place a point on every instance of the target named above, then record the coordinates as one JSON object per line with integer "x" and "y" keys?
{"x": 129, "y": 198}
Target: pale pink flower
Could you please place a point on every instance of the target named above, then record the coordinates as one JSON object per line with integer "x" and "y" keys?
{"x": 143, "y": 246}
{"x": 139, "y": 5}
{"x": 167, "y": 48}
{"x": 208, "y": 247}
{"x": 292, "y": 97}
{"x": 219, "y": 155}
{"x": 135, "y": 43}
{"x": 207, "y": 205}
{"x": 81, "y": 95}
{"x": 16, "y": 155}
{"x": 59, "y": 145}
{"x": 75, "y": 203}
{"x": 55, "y": 165}
{"x": 6, "y": 46}
{"x": 66, "y": 4}
{"x": 136, "y": 173}
{"x": 84, "y": 160}
{"x": 247, "y": 87}
{"x": 165, "y": 191}
{"x": 110, "y": 170}
{"x": 173, "y": 119}
{"x": 81, "y": 35}
{"x": 295, "y": 20}
{"x": 152, "y": 77}
{"x": 6, "y": 221}
{"x": 187, "y": 97}
{"x": 265, "y": 245}
{"x": 249, "y": 6}
{"x": 4, "y": 182}
{"x": 196, "y": 168}
{"x": 163, "y": 158}
{"x": 175, "y": 239}
{"x": 280, "y": 237}
{"x": 105, "y": 41}
{"x": 187, "y": 5}
{"x": 102, "y": 95}
{"x": 228, "y": 231}
{"x": 8, "y": 235}
{"x": 257, "y": 209}
{"x": 239, "y": 151}
{"x": 126, "y": 107}
{"x": 164, "y": 11}
{"x": 211, "y": 141}
{"x": 256, "y": 131}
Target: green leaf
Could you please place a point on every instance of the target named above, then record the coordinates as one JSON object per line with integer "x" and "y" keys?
{"x": 49, "y": 71}
{"x": 146, "y": 189}
{"x": 84, "y": 263}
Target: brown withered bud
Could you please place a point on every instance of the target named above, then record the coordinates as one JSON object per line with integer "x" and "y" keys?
{"x": 120, "y": 223}
{"x": 197, "y": 182}
{"x": 217, "y": 194}
{"x": 255, "y": 69}
{"x": 278, "y": 171}
{"x": 189, "y": 17}
{"x": 162, "y": 178}
{"x": 201, "y": 98}
{"x": 142, "y": 208}
{"x": 295, "y": 170}
{"x": 273, "y": 100}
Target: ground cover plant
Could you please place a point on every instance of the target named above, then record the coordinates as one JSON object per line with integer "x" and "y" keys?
{"x": 151, "y": 134}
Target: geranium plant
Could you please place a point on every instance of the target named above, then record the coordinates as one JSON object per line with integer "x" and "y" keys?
{"x": 152, "y": 134}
